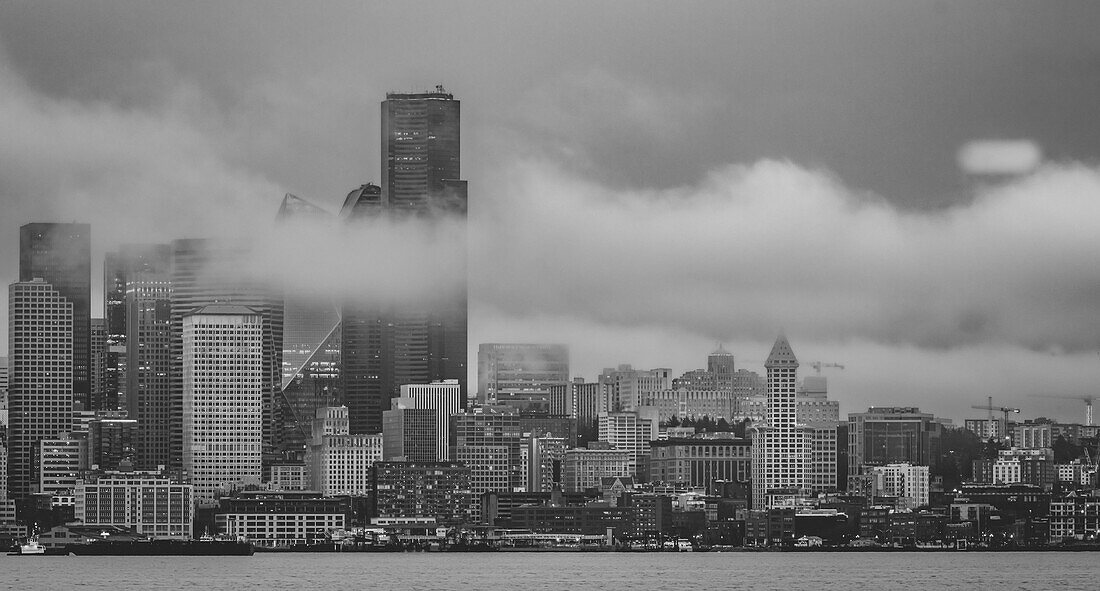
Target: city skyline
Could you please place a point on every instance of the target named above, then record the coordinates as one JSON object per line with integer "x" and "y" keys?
{"x": 640, "y": 217}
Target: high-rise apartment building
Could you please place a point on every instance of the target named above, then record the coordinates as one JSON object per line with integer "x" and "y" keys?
{"x": 224, "y": 384}
{"x": 780, "y": 447}
{"x": 40, "y": 382}
{"x": 60, "y": 254}
{"x": 521, "y": 375}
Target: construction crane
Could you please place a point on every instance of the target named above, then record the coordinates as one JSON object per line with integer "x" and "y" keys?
{"x": 1087, "y": 399}
{"x": 817, "y": 365}
{"x": 1003, "y": 409}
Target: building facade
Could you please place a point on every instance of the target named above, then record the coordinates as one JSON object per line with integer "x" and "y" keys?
{"x": 40, "y": 382}
{"x": 584, "y": 469}
{"x": 223, "y": 392}
{"x": 150, "y": 503}
{"x": 60, "y": 254}
{"x": 521, "y": 375}
{"x": 700, "y": 460}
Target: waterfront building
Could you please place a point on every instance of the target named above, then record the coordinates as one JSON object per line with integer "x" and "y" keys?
{"x": 149, "y": 503}
{"x": 224, "y": 385}
{"x": 521, "y": 375}
{"x": 273, "y": 519}
{"x": 423, "y": 489}
{"x": 699, "y": 460}
{"x": 60, "y": 255}
{"x": 40, "y": 382}
{"x": 781, "y": 447}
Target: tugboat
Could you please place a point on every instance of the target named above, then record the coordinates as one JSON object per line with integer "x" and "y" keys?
{"x": 31, "y": 548}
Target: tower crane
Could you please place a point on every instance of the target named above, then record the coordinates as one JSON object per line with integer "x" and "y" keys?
{"x": 1086, "y": 398}
{"x": 1003, "y": 409}
{"x": 817, "y": 365}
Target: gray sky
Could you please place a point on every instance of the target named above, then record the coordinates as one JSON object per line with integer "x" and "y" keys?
{"x": 910, "y": 189}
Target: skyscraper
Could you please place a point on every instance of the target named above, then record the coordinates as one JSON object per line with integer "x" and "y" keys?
{"x": 40, "y": 382}
{"x": 120, "y": 269}
{"x": 211, "y": 272}
{"x": 60, "y": 254}
{"x": 780, "y": 448}
{"x": 421, "y": 148}
{"x": 385, "y": 344}
{"x": 148, "y": 360}
{"x": 311, "y": 340}
{"x": 224, "y": 386}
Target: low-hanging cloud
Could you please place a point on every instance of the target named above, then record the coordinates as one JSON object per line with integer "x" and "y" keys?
{"x": 999, "y": 157}
{"x": 754, "y": 248}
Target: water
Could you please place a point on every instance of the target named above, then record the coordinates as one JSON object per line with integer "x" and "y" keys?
{"x": 560, "y": 572}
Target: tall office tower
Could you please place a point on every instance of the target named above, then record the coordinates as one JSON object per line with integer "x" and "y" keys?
{"x": 311, "y": 338}
{"x": 421, "y": 151}
{"x": 40, "y": 376}
{"x": 445, "y": 399}
{"x": 224, "y": 386}
{"x": 60, "y": 254}
{"x": 409, "y": 434}
{"x": 148, "y": 329}
{"x": 890, "y": 435}
{"x": 489, "y": 439}
{"x": 780, "y": 447}
{"x": 97, "y": 396}
{"x": 120, "y": 269}
{"x": 4, "y": 391}
{"x": 520, "y": 375}
{"x": 210, "y": 272}
{"x": 631, "y": 432}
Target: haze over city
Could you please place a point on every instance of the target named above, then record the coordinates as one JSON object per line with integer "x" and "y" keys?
{"x": 919, "y": 203}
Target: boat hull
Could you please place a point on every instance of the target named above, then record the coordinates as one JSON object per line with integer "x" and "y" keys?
{"x": 162, "y": 548}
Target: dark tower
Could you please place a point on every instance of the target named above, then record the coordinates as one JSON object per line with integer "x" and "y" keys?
{"x": 61, "y": 255}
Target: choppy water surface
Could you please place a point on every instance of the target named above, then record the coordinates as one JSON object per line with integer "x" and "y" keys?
{"x": 560, "y": 572}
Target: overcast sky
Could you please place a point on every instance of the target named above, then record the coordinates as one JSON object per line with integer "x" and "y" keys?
{"x": 909, "y": 189}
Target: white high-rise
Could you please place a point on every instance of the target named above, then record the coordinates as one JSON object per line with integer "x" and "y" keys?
{"x": 780, "y": 447}
{"x": 223, "y": 392}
